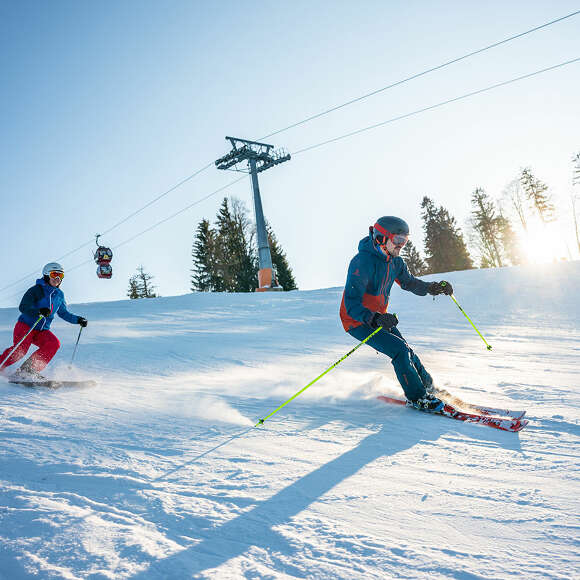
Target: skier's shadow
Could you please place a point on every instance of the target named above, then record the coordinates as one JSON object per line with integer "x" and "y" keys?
{"x": 255, "y": 527}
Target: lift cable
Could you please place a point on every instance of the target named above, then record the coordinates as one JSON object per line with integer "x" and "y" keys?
{"x": 431, "y": 107}
{"x": 415, "y": 76}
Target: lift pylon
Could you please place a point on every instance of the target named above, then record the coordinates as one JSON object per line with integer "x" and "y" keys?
{"x": 254, "y": 158}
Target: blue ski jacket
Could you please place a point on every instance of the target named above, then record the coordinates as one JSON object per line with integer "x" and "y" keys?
{"x": 43, "y": 295}
{"x": 370, "y": 278}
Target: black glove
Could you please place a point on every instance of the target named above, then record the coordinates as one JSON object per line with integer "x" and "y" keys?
{"x": 82, "y": 321}
{"x": 387, "y": 321}
{"x": 44, "y": 312}
{"x": 442, "y": 287}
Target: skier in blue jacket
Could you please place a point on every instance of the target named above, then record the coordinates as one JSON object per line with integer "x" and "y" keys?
{"x": 38, "y": 307}
{"x": 371, "y": 275}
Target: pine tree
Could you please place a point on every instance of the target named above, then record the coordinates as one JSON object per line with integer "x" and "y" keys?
{"x": 487, "y": 225}
{"x": 140, "y": 285}
{"x": 413, "y": 259}
{"x": 235, "y": 254}
{"x": 445, "y": 248}
{"x": 133, "y": 291}
{"x": 225, "y": 267}
{"x": 536, "y": 193}
{"x": 282, "y": 269}
{"x": 492, "y": 233}
{"x": 204, "y": 276}
{"x": 243, "y": 251}
{"x": 225, "y": 258}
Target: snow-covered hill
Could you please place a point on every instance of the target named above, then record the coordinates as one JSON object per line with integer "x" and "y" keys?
{"x": 159, "y": 473}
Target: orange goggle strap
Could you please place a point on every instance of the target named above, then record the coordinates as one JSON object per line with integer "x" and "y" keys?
{"x": 387, "y": 234}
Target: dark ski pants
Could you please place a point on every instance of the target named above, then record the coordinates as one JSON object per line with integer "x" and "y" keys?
{"x": 46, "y": 342}
{"x": 409, "y": 370}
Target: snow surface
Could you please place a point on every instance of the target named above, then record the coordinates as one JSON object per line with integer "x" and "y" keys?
{"x": 158, "y": 472}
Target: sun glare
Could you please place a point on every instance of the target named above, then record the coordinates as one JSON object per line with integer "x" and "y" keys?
{"x": 543, "y": 243}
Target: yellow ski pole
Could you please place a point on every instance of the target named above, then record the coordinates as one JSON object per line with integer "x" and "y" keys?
{"x": 261, "y": 421}
{"x": 470, "y": 322}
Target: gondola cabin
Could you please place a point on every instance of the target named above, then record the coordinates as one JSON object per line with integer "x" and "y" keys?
{"x": 105, "y": 271}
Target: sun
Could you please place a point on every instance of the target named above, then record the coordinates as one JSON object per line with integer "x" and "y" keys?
{"x": 543, "y": 243}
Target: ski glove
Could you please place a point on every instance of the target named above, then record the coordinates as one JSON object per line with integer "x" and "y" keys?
{"x": 44, "y": 312}
{"x": 387, "y": 321}
{"x": 442, "y": 287}
{"x": 82, "y": 321}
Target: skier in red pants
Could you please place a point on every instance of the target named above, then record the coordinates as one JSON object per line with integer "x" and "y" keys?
{"x": 38, "y": 307}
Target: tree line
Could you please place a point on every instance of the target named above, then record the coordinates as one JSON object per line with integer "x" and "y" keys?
{"x": 225, "y": 256}
{"x": 491, "y": 226}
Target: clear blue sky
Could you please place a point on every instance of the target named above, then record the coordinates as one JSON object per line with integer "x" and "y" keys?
{"x": 105, "y": 105}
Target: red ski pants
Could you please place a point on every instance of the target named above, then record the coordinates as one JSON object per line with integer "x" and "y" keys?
{"x": 46, "y": 342}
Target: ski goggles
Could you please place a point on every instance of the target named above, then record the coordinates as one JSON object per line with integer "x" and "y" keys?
{"x": 384, "y": 235}
{"x": 56, "y": 275}
{"x": 398, "y": 239}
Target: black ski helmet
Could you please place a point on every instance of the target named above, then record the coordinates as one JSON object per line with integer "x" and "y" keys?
{"x": 386, "y": 225}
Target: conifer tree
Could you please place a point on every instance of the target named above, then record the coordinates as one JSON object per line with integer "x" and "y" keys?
{"x": 235, "y": 254}
{"x": 140, "y": 285}
{"x": 243, "y": 249}
{"x": 204, "y": 276}
{"x": 492, "y": 233}
{"x": 536, "y": 193}
{"x": 282, "y": 269}
{"x": 487, "y": 226}
{"x": 222, "y": 251}
{"x": 415, "y": 263}
{"x": 133, "y": 291}
{"x": 225, "y": 257}
{"x": 445, "y": 248}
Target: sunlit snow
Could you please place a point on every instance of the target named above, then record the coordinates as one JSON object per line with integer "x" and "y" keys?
{"x": 159, "y": 473}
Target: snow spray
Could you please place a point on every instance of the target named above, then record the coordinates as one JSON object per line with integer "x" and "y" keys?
{"x": 261, "y": 421}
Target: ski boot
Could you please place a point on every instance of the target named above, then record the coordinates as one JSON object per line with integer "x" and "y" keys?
{"x": 26, "y": 373}
{"x": 429, "y": 403}
{"x": 430, "y": 388}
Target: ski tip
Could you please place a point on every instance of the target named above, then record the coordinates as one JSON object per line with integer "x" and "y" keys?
{"x": 519, "y": 425}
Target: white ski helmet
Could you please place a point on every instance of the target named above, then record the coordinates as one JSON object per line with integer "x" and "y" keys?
{"x": 52, "y": 267}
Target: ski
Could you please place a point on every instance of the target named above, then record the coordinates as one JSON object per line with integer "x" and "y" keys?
{"x": 504, "y": 424}
{"x": 509, "y": 424}
{"x": 499, "y": 412}
{"x": 455, "y": 401}
{"x": 52, "y": 384}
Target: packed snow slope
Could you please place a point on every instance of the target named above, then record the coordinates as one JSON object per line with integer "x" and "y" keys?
{"x": 159, "y": 472}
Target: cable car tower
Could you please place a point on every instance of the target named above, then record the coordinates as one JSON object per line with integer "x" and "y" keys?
{"x": 256, "y": 157}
